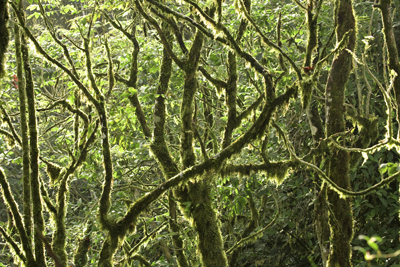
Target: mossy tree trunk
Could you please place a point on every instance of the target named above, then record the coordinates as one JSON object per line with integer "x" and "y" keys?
{"x": 341, "y": 217}
{"x": 37, "y": 208}
{"x": 27, "y": 204}
{"x": 160, "y": 149}
{"x": 198, "y": 193}
{"x": 4, "y": 35}
{"x": 394, "y": 64}
{"x": 317, "y": 131}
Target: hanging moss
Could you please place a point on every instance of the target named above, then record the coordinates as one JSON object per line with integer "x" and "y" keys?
{"x": 274, "y": 171}
{"x": 54, "y": 171}
{"x": 4, "y": 36}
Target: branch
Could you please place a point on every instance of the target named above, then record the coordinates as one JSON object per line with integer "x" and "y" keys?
{"x": 9, "y": 199}
{"x": 343, "y": 193}
{"x": 53, "y": 35}
{"x": 216, "y": 82}
{"x": 13, "y": 244}
{"x": 48, "y": 248}
{"x": 7, "y": 119}
{"x": 269, "y": 43}
{"x": 199, "y": 26}
{"x": 164, "y": 40}
{"x": 213, "y": 163}
{"x": 41, "y": 51}
{"x": 256, "y": 235}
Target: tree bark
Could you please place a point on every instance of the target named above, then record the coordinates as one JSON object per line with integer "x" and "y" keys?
{"x": 341, "y": 216}
{"x": 393, "y": 54}
{"x": 4, "y": 36}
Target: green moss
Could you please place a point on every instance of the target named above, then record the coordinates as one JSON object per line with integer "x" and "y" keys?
{"x": 54, "y": 171}
{"x": 4, "y": 36}
{"x": 80, "y": 257}
{"x": 306, "y": 92}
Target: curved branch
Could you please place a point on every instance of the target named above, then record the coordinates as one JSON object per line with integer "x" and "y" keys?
{"x": 13, "y": 244}
{"x": 39, "y": 48}
{"x": 164, "y": 40}
{"x": 257, "y": 234}
{"x": 344, "y": 193}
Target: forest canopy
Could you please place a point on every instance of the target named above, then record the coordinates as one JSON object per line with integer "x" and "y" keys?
{"x": 199, "y": 133}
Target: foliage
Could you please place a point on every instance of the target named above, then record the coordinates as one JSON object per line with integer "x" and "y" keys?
{"x": 195, "y": 133}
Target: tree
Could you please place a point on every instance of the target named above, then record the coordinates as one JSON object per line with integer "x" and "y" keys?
{"x": 166, "y": 106}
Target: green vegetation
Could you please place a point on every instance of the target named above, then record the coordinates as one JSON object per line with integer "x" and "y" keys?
{"x": 199, "y": 133}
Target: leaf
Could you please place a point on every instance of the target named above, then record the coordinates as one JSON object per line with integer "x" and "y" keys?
{"x": 392, "y": 168}
{"x": 132, "y": 90}
{"x": 240, "y": 203}
{"x": 384, "y": 202}
{"x": 383, "y": 168}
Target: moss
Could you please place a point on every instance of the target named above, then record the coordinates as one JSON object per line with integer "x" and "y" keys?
{"x": 9, "y": 199}
{"x": 80, "y": 257}
{"x": 107, "y": 251}
{"x": 341, "y": 217}
{"x": 4, "y": 36}
{"x": 207, "y": 226}
{"x": 306, "y": 92}
{"x": 54, "y": 171}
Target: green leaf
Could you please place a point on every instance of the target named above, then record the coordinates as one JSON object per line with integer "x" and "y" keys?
{"x": 384, "y": 202}
{"x": 383, "y": 168}
{"x": 393, "y": 168}
{"x": 132, "y": 90}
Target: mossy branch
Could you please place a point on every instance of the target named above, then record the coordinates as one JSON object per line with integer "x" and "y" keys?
{"x": 164, "y": 39}
{"x": 268, "y": 42}
{"x": 216, "y": 82}
{"x": 276, "y": 171}
{"x": 158, "y": 146}
{"x": 116, "y": 24}
{"x": 9, "y": 136}
{"x": 172, "y": 23}
{"x": 80, "y": 255}
{"x": 9, "y": 199}
{"x": 52, "y": 32}
{"x": 256, "y": 235}
{"x": 393, "y": 54}
{"x": 178, "y": 15}
{"x": 48, "y": 248}
{"x": 187, "y": 107}
{"x": 7, "y": 119}
{"x": 49, "y": 204}
{"x": 300, "y": 4}
{"x": 41, "y": 51}
{"x": 248, "y": 111}
{"x": 13, "y": 244}
{"x": 340, "y": 46}
{"x": 141, "y": 259}
{"x": 110, "y": 71}
{"x": 343, "y": 193}
{"x": 386, "y": 97}
{"x": 4, "y": 36}
{"x": 198, "y": 137}
{"x": 89, "y": 72}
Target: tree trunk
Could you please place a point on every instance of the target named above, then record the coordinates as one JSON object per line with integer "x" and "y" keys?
{"x": 341, "y": 217}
